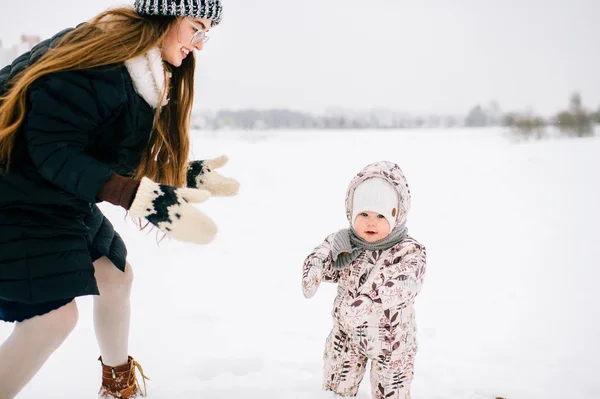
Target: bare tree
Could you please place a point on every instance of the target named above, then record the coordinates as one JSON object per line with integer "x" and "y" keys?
{"x": 526, "y": 126}
{"x": 575, "y": 121}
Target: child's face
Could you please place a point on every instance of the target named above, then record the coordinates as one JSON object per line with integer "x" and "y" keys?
{"x": 371, "y": 226}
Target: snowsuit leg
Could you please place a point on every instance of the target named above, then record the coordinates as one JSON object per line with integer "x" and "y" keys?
{"x": 344, "y": 365}
{"x": 391, "y": 375}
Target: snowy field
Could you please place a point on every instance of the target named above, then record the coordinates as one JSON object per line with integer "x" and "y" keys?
{"x": 510, "y": 304}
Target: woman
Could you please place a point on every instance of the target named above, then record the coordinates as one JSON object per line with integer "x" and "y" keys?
{"x": 97, "y": 113}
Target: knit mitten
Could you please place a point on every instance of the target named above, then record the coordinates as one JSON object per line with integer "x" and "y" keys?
{"x": 317, "y": 263}
{"x": 169, "y": 209}
{"x": 202, "y": 174}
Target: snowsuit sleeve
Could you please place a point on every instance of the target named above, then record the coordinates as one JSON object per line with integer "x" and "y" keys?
{"x": 400, "y": 288}
{"x": 64, "y": 110}
{"x": 318, "y": 266}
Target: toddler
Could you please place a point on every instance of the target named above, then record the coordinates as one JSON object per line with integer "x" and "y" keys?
{"x": 379, "y": 270}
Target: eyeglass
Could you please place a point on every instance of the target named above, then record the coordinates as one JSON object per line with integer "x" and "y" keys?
{"x": 199, "y": 36}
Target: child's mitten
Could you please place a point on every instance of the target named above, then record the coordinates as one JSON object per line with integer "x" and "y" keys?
{"x": 202, "y": 174}
{"x": 169, "y": 209}
{"x": 313, "y": 274}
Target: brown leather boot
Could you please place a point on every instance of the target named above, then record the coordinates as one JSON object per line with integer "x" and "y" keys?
{"x": 121, "y": 381}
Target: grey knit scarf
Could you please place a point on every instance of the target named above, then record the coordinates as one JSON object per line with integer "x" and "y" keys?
{"x": 346, "y": 245}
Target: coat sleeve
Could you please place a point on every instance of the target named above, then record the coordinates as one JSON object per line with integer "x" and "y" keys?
{"x": 318, "y": 266}
{"x": 400, "y": 288}
{"x": 64, "y": 110}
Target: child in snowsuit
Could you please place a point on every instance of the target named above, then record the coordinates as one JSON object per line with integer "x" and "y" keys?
{"x": 379, "y": 270}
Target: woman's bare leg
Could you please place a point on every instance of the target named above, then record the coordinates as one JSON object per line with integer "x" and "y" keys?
{"x": 30, "y": 345}
{"x": 112, "y": 311}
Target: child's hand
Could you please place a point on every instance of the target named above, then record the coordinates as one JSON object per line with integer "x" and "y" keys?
{"x": 317, "y": 263}
{"x": 313, "y": 273}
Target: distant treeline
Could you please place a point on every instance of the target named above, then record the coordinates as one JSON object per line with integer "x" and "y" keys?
{"x": 289, "y": 119}
{"x": 573, "y": 121}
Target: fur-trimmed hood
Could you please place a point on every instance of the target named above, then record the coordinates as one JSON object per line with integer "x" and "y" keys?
{"x": 149, "y": 78}
{"x": 390, "y": 172}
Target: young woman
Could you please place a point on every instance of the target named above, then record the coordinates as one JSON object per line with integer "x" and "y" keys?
{"x": 97, "y": 113}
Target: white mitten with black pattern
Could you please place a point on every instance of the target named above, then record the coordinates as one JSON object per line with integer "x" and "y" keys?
{"x": 170, "y": 209}
{"x": 202, "y": 174}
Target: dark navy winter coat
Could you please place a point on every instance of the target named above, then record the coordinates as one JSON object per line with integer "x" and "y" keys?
{"x": 81, "y": 126}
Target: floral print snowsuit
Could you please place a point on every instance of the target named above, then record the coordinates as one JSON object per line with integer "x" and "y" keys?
{"x": 373, "y": 312}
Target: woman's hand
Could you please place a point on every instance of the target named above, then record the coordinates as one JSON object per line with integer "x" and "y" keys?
{"x": 169, "y": 208}
{"x": 202, "y": 174}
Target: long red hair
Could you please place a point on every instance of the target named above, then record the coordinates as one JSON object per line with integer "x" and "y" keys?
{"x": 113, "y": 37}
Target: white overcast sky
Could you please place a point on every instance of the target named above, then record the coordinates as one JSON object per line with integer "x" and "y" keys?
{"x": 419, "y": 56}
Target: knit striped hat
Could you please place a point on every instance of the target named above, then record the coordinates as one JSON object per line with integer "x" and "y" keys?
{"x": 182, "y": 8}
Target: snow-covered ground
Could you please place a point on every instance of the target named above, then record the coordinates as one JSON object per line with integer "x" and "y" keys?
{"x": 510, "y": 305}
